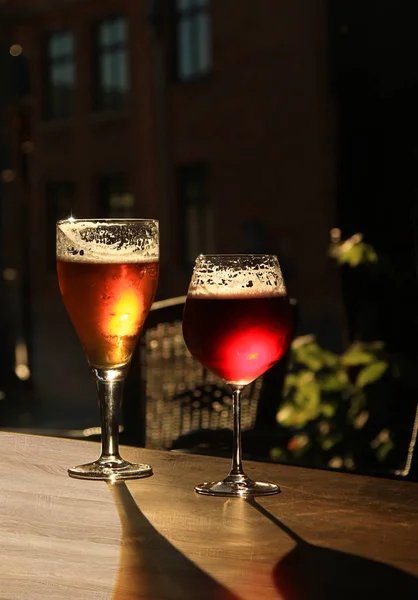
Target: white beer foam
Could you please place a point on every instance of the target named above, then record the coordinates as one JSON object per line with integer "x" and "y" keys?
{"x": 105, "y": 260}
{"x": 107, "y": 242}
{"x": 258, "y": 280}
{"x": 235, "y": 295}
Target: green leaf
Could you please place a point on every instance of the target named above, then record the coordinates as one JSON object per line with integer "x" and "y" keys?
{"x": 312, "y": 356}
{"x": 277, "y": 454}
{"x": 357, "y": 403}
{"x": 303, "y": 404}
{"x": 354, "y": 357}
{"x": 383, "y": 450}
{"x": 329, "y": 359}
{"x": 328, "y": 409}
{"x": 371, "y": 373}
{"x": 333, "y": 382}
{"x": 356, "y": 254}
{"x": 352, "y": 257}
{"x": 370, "y": 254}
{"x": 291, "y": 415}
{"x": 309, "y": 356}
{"x": 376, "y": 345}
{"x": 328, "y": 442}
{"x": 299, "y": 399}
{"x": 290, "y": 382}
{"x": 312, "y": 394}
{"x": 349, "y": 462}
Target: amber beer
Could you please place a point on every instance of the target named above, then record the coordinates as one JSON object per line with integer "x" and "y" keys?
{"x": 237, "y": 338}
{"x": 108, "y": 303}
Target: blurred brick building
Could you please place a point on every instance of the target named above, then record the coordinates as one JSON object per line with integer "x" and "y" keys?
{"x": 214, "y": 116}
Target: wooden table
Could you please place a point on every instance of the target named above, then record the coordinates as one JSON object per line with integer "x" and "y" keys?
{"x": 326, "y": 536}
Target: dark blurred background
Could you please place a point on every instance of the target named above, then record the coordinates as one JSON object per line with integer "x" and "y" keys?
{"x": 284, "y": 126}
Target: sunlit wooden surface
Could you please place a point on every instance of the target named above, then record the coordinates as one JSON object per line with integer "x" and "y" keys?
{"x": 327, "y": 536}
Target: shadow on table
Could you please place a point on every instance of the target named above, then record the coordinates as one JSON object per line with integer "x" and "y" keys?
{"x": 151, "y": 567}
{"x": 310, "y": 572}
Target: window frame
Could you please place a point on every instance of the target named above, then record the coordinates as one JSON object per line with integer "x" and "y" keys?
{"x": 98, "y": 51}
{"x": 103, "y": 197}
{"x": 178, "y": 16}
{"x": 49, "y": 62}
{"x": 200, "y": 171}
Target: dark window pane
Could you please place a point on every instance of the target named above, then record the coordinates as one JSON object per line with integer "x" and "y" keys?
{"x": 60, "y": 74}
{"x": 196, "y": 212}
{"x": 105, "y": 33}
{"x": 106, "y": 71}
{"x": 115, "y": 200}
{"x": 112, "y": 64}
{"x": 54, "y": 45}
{"x": 61, "y": 44}
{"x": 185, "y": 49}
{"x": 190, "y": 5}
{"x": 66, "y": 44}
{"x": 184, "y": 4}
{"x": 120, "y": 31}
{"x": 121, "y": 72}
{"x": 193, "y": 39}
{"x": 204, "y": 41}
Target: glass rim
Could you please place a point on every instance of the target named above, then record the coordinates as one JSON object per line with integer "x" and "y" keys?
{"x": 249, "y": 255}
{"x": 108, "y": 220}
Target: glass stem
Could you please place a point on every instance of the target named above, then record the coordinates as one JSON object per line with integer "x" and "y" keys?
{"x": 236, "y": 468}
{"x": 109, "y": 383}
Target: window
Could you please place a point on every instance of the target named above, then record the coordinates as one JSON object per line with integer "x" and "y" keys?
{"x": 193, "y": 39}
{"x": 111, "y": 68}
{"x": 60, "y": 198}
{"x": 196, "y": 212}
{"x": 115, "y": 201}
{"x": 60, "y": 75}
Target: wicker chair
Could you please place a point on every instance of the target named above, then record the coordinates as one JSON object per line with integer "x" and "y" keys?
{"x": 172, "y": 402}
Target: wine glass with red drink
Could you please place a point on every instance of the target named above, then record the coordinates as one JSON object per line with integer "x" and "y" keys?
{"x": 237, "y": 323}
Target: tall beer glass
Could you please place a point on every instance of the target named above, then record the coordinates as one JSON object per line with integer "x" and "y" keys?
{"x": 108, "y": 275}
{"x": 237, "y": 322}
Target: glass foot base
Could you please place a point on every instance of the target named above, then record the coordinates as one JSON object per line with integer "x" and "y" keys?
{"x": 240, "y": 486}
{"x": 110, "y": 470}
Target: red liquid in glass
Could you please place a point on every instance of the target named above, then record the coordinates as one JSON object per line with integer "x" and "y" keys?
{"x": 237, "y": 338}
